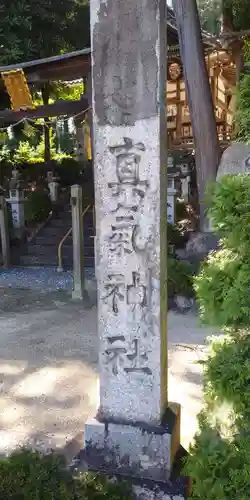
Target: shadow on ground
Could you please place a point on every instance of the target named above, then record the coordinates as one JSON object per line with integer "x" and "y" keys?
{"x": 49, "y": 371}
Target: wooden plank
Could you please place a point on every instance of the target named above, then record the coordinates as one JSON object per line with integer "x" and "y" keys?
{"x": 60, "y": 108}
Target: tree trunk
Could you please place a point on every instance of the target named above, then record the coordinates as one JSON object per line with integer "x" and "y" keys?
{"x": 45, "y": 97}
{"x": 207, "y": 150}
{"x": 235, "y": 44}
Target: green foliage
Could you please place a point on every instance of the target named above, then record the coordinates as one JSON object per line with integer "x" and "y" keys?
{"x": 175, "y": 236}
{"x": 180, "y": 279}
{"x": 223, "y": 289}
{"x": 37, "y": 206}
{"x": 69, "y": 172}
{"x": 220, "y": 468}
{"x": 33, "y": 29}
{"x": 27, "y": 475}
{"x": 241, "y": 13}
{"x": 242, "y": 116}
{"x": 210, "y": 14}
{"x": 25, "y": 152}
{"x": 67, "y": 91}
{"x": 223, "y": 285}
{"x": 229, "y": 212}
{"x": 227, "y": 383}
{"x": 219, "y": 461}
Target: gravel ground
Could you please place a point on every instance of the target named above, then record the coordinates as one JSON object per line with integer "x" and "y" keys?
{"x": 39, "y": 278}
{"x": 49, "y": 369}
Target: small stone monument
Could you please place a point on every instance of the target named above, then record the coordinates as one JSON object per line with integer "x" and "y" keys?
{"x": 16, "y": 201}
{"x": 235, "y": 160}
{"x": 172, "y": 191}
{"x": 185, "y": 181}
{"x": 171, "y": 200}
{"x": 4, "y": 230}
{"x": 136, "y": 432}
{"x": 80, "y": 141}
{"x": 53, "y": 185}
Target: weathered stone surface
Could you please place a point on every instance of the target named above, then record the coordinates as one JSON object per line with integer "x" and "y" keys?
{"x": 140, "y": 450}
{"x": 128, "y": 63}
{"x": 78, "y": 291}
{"x": 235, "y": 160}
{"x": 200, "y": 244}
{"x": 128, "y": 436}
{"x": 153, "y": 491}
{"x": 125, "y": 61}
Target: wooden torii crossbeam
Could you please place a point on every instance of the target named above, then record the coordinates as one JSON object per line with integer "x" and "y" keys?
{"x": 60, "y": 108}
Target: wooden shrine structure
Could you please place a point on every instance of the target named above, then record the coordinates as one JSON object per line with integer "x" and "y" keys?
{"x": 77, "y": 65}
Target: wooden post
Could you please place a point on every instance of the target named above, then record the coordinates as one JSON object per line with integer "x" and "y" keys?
{"x": 4, "y": 232}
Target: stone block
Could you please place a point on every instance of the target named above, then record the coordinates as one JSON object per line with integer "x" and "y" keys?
{"x": 148, "y": 490}
{"x": 138, "y": 449}
{"x": 235, "y": 160}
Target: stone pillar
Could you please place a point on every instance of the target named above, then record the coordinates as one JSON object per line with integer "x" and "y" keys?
{"x": 80, "y": 140}
{"x": 78, "y": 248}
{"x": 53, "y": 185}
{"x": 171, "y": 200}
{"x": 5, "y": 241}
{"x": 16, "y": 201}
{"x": 136, "y": 430}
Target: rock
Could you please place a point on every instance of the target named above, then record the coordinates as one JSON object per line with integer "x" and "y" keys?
{"x": 201, "y": 243}
{"x": 235, "y": 160}
{"x": 184, "y": 304}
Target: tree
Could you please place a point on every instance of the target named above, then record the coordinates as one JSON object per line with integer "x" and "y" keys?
{"x": 207, "y": 151}
{"x": 227, "y": 19}
{"x": 235, "y": 19}
{"x": 36, "y": 29}
{"x": 33, "y": 29}
{"x": 210, "y": 15}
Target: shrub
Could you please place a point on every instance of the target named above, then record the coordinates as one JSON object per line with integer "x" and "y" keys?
{"x": 180, "y": 279}
{"x": 230, "y": 210}
{"x": 223, "y": 289}
{"x": 219, "y": 461}
{"x": 243, "y": 100}
{"x": 69, "y": 171}
{"x": 175, "y": 236}
{"x": 27, "y": 475}
{"x": 37, "y": 207}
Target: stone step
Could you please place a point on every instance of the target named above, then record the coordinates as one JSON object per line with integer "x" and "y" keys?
{"x": 88, "y": 249}
{"x": 51, "y": 231}
{"x": 67, "y": 249}
{"x": 39, "y": 261}
{"x": 61, "y": 222}
{"x": 45, "y": 240}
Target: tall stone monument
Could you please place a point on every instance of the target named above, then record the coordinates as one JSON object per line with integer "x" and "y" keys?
{"x": 136, "y": 431}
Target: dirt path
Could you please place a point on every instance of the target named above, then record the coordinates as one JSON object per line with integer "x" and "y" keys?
{"x": 49, "y": 371}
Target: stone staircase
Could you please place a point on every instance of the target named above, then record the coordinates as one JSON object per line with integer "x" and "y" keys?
{"x": 42, "y": 250}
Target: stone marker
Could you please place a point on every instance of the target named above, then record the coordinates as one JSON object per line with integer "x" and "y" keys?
{"x": 78, "y": 246}
{"x": 5, "y": 238}
{"x": 53, "y": 186}
{"x": 136, "y": 431}
{"x": 16, "y": 201}
{"x": 80, "y": 141}
{"x": 235, "y": 160}
{"x": 171, "y": 200}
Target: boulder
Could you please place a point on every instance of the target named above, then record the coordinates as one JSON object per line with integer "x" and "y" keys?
{"x": 235, "y": 160}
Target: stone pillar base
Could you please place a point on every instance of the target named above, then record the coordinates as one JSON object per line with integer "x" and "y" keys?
{"x": 141, "y": 454}
{"x": 141, "y": 450}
